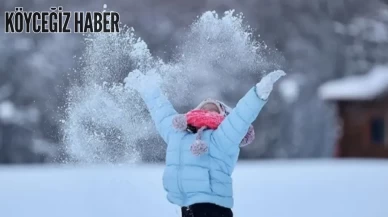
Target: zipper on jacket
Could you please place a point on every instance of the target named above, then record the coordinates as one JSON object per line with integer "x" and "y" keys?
{"x": 179, "y": 171}
{"x": 180, "y": 175}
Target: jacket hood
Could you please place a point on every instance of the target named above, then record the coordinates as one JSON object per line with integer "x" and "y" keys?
{"x": 222, "y": 107}
{"x": 199, "y": 147}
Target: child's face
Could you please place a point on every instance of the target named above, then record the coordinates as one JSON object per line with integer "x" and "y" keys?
{"x": 210, "y": 107}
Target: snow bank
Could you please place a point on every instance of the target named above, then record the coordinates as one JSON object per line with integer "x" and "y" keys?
{"x": 365, "y": 87}
{"x": 265, "y": 189}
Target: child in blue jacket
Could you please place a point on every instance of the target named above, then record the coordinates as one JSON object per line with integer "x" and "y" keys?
{"x": 200, "y": 161}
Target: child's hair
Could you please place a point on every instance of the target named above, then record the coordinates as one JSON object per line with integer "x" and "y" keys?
{"x": 191, "y": 128}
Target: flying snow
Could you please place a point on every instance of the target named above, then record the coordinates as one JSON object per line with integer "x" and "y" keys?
{"x": 106, "y": 119}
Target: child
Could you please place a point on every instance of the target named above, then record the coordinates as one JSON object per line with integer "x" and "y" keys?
{"x": 203, "y": 145}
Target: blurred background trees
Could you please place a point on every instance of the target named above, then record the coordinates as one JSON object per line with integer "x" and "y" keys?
{"x": 319, "y": 40}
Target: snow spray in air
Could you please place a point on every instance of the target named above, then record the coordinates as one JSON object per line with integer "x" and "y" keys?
{"x": 107, "y": 122}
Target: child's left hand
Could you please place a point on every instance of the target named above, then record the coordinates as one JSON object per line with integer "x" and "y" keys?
{"x": 265, "y": 86}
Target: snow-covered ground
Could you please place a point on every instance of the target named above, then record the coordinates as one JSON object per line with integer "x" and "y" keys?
{"x": 263, "y": 189}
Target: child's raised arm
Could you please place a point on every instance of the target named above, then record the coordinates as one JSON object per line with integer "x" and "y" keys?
{"x": 235, "y": 126}
{"x": 160, "y": 108}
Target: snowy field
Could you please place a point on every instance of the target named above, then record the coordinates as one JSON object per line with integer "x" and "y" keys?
{"x": 262, "y": 189}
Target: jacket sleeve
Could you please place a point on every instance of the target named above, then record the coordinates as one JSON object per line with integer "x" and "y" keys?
{"x": 234, "y": 127}
{"x": 161, "y": 110}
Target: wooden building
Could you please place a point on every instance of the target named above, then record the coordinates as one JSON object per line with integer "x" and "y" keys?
{"x": 362, "y": 103}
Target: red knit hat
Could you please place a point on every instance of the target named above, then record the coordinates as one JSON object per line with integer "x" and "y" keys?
{"x": 203, "y": 119}
{"x": 199, "y": 118}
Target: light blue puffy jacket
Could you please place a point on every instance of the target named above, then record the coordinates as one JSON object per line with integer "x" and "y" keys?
{"x": 190, "y": 179}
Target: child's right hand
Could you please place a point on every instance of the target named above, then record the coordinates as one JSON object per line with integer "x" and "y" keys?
{"x": 265, "y": 86}
{"x": 139, "y": 81}
{"x": 135, "y": 80}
